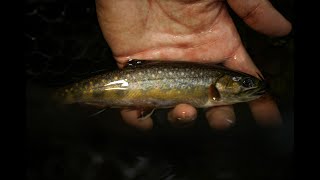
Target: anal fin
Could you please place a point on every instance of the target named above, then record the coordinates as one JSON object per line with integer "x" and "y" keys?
{"x": 144, "y": 114}
{"x": 99, "y": 112}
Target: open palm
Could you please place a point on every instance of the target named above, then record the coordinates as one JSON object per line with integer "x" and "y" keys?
{"x": 189, "y": 30}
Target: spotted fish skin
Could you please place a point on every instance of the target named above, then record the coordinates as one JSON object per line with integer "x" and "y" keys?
{"x": 164, "y": 85}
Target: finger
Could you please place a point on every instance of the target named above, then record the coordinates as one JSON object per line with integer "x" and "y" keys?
{"x": 131, "y": 117}
{"x": 182, "y": 115}
{"x": 265, "y": 111}
{"x": 261, "y": 16}
{"x": 221, "y": 117}
{"x": 241, "y": 61}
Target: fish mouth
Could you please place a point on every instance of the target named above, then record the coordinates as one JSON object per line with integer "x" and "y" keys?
{"x": 261, "y": 90}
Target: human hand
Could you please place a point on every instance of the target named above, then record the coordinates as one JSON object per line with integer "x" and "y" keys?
{"x": 190, "y": 30}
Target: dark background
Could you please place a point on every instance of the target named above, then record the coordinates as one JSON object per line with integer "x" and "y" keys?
{"x": 64, "y": 43}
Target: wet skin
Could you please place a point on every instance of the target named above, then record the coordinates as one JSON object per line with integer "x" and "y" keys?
{"x": 190, "y": 30}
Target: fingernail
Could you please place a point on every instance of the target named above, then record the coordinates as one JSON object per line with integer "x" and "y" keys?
{"x": 231, "y": 122}
{"x": 185, "y": 117}
{"x": 219, "y": 121}
{"x": 183, "y": 120}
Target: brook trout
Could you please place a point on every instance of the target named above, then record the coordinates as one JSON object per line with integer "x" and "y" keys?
{"x": 145, "y": 84}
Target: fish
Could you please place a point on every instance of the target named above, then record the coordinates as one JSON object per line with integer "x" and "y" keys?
{"x": 158, "y": 84}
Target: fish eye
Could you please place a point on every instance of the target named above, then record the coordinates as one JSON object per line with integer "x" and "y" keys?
{"x": 247, "y": 82}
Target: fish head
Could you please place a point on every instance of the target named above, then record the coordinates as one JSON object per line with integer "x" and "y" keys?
{"x": 234, "y": 88}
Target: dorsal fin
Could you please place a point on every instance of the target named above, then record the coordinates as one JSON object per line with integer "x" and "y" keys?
{"x": 132, "y": 63}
